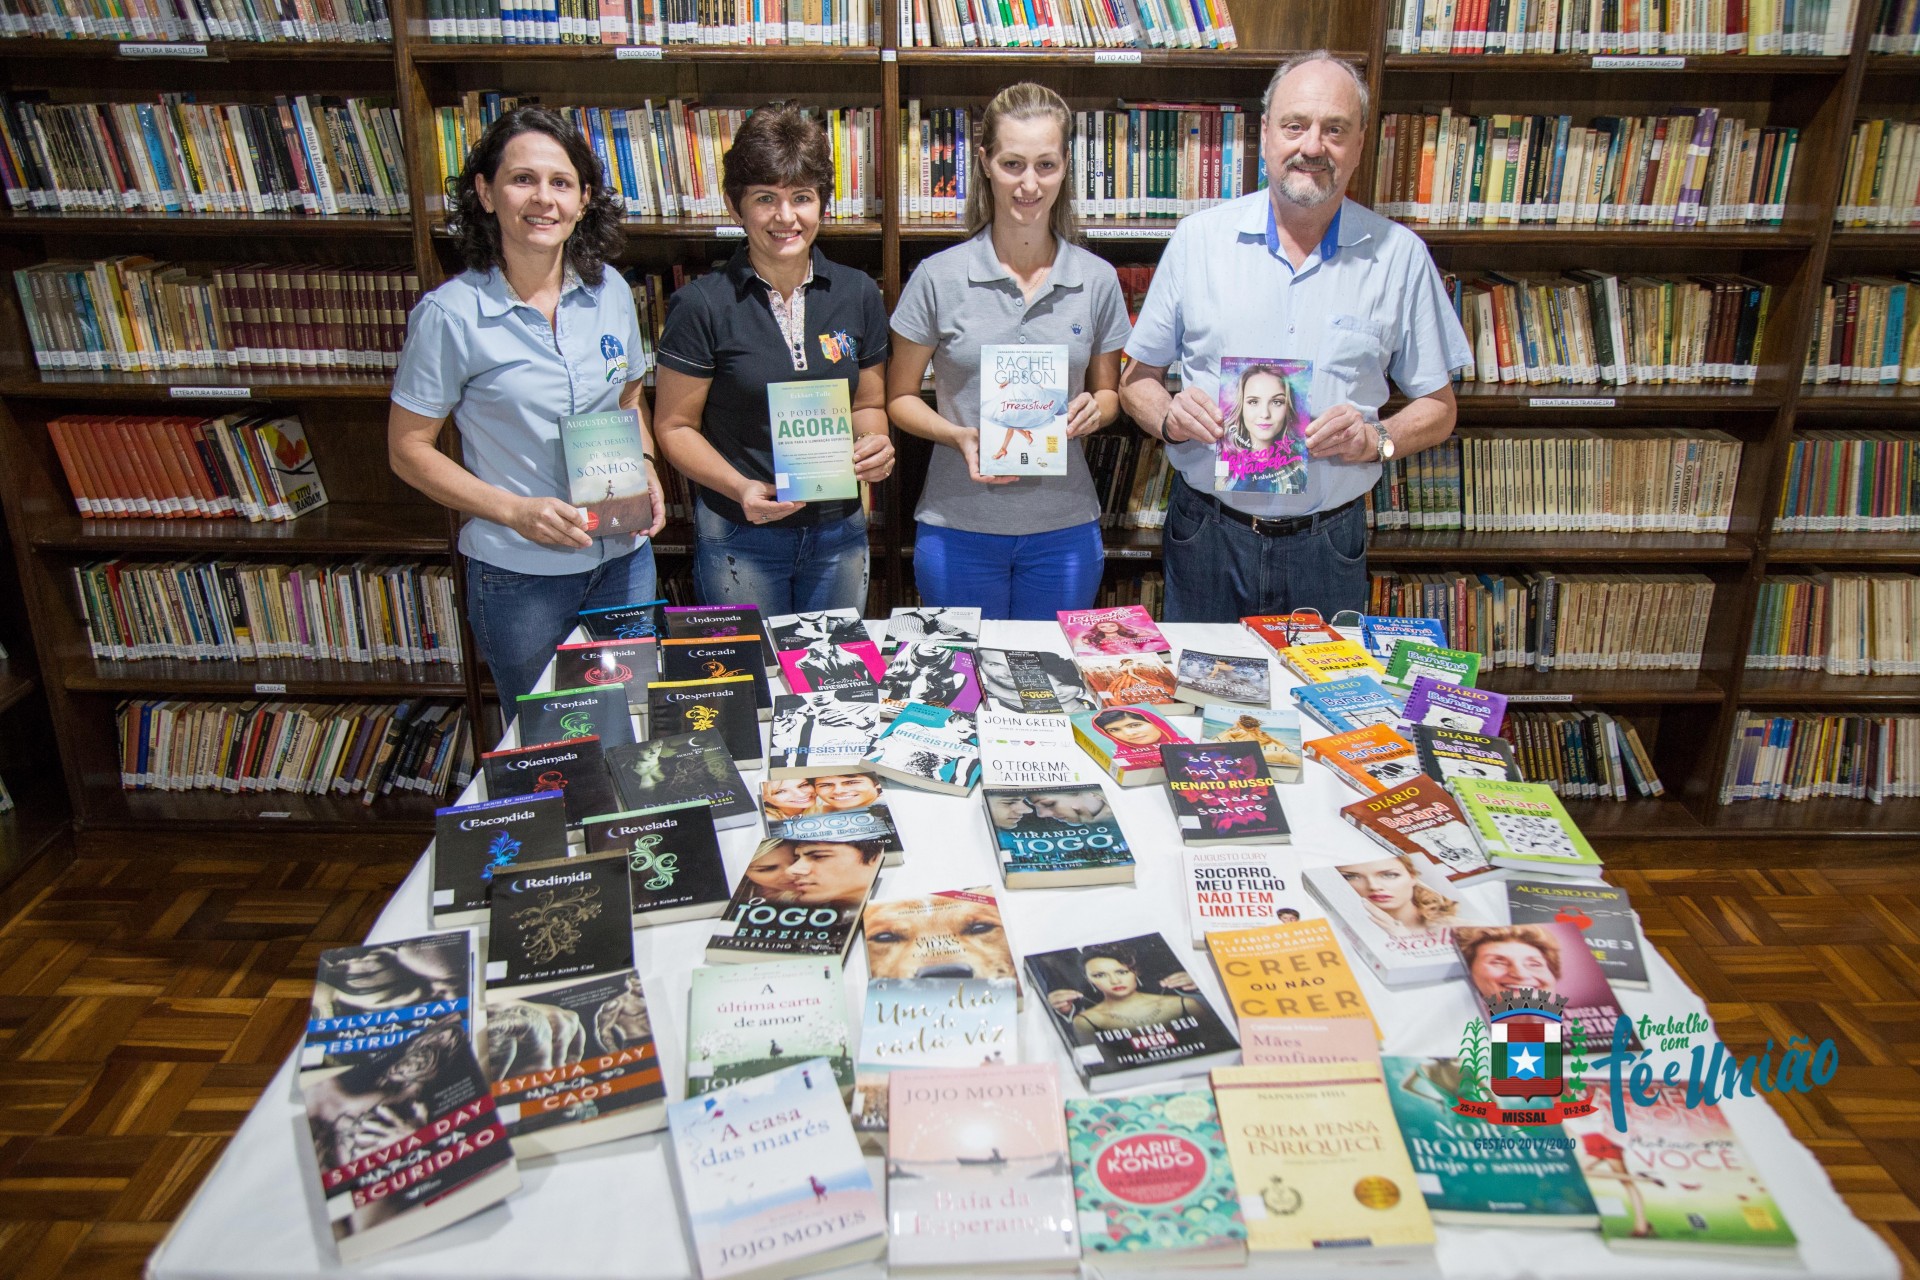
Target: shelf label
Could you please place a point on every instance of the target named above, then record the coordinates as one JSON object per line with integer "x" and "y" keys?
{"x": 210, "y": 393}
{"x": 1116, "y": 57}
{"x": 268, "y": 686}
{"x": 1130, "y": 553}
{"x": 169, "y": 49}
{"x": 730, "y": 233}
{"x": 1570, "y": 402}
{"x": 1539, "y": 697}
{"x": 638, "y": 53}
{"x": 276, "y": 813}
{"x": 1614, "y": 62}
{"x": 889, "y": 55}
{"x": 1127, "y": 233}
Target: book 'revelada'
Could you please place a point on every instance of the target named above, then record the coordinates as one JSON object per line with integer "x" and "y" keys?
{"x": 627, "y": 621}
{"x": 718, "y": 658}
{"x": 1523, "y": 826}
{"x": 559, "y": 922}
{"x": 1512, "y": 960}
{"x": 1023, "y": 409}
{"x": 1134, "y": 680}
{"x": 407, "y": 1141}
{"x": 1203, "y": 678}
{"x": 1056, "y": 837}
{"x": 679, "y": 767}
{"x": 1264, "y": 413}
{"x": 1296, "y": 969}
{"x": 631, "y": 663}
{"x": 1151, "y": 1182}
{"x": 1221, "y": 794}
{"x": 772, "y": 1180}
{"x": 1264, "y": 1040}
{"x": 1398, "y": 921}
{"x": 747, "y": 1020}
{"x": 1228, "y": 890}
{"x": 1126, "y": 742}
{"x": 929, "y": 748}
{"x": 1446, "y": 754}
{"x": 725, "y": 706}
{"x": 370, "y": 999}
{"x": 1342, "y": 706}
{"x": 591, "y": 711}
{"x": 692, "y": 621}
{"x": 674, "y": 867}
{"x": 576, "y": 769}
{"x": 1132, "y": 1014}
{"x": 1606, "y": 920}
{"x": 1275, "y": 729}
{"x": 949, "y": 624}
{"x": 1446, "y": 705}
{"x": 1420, "y": 819}
{"x": 575, "y": 1066}
{"x": 978, "y": 1174}
{"x": 1369, "y": 760}
{"x": 607, "y": 472}
{"x": 811, "y": 425}
{"x": 798, "y": 898}
{"x": 1305, "y": 1195}
{"x": 1123, "y": 629}
{"x": 930, "y": 672}
{"x": 953, "y": 934}
{"x": 816, "y": 734}
{"x": 473, "y": 843}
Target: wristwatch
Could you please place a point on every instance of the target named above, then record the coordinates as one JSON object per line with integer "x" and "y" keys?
{"x": 1386, "y": 442}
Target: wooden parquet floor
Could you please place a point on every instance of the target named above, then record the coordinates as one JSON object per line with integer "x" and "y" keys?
{"x": 145, "y": 1001}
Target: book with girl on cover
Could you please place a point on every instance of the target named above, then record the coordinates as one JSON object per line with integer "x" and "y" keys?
{"x": 1552, "y": 957}
{"x": 1264, "y": 405}
{"x": 1275, "y": 729}
{"x": 1023, "y": 410}
{"x": 1135, "y": 680}
{"x": 1400, "y": 922}
{"x": 1110, "y": 633}
{"x": 1126, "y": 742}
{"x": 1128, "y": 1012}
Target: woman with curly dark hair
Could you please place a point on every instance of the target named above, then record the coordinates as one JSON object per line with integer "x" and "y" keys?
{"x": 534, "y": 329}
{"x": 778, "y": 312}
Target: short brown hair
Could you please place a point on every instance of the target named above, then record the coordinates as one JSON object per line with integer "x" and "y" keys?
{"x": 777, "y": 146}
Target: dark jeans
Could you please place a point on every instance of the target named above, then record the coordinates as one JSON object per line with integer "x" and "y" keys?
{"x": 783, "y": 570}
{"x": 1219, "y": 570}
{"x": 518, "y": 618}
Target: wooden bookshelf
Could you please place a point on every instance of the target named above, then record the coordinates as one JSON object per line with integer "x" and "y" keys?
{"x": 1685, "y": 717}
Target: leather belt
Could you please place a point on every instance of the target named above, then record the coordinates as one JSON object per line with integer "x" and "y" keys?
{"x": 1266, "y": 526}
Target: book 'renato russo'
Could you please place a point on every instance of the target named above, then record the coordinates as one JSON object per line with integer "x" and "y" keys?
{"x": 1053, "y": 837}
{"x": 373, "y": 998}
{"x": 1151, "y": 1182}
{"x": 607, "y": 472}
{"x": 1342, "y": 706}
{"x": 1128, "y": 1012}
{"x": 1446, "y": 705}
{"x": 1275, "y": 729}
{"x": 678, "y": 767}
{"x": 473, "y": 843}
{"x": 673, "y": 860}
{"x": 772, "y": 1179}
{"x": 932, "y": 748}
{"x": 1228, "y": 890}
{"x": 1524, "y": 827}
{"x": 978, "y": 1174}
{"x": 1023, "y": 410}
{"x": 558, "y": 922}
{"x": 576, "y": 769}
{"x": 1203, "y": 677}
{"x": 1606, "y": 920}
{"x": 591, "y": 711}
{"x": 747, "y": 1020}
{"x": 1221, "y": 794}
{"x": 1421, "y": 820}
{"x": 812, "y": 425}
{"x": 1264, "y": 410}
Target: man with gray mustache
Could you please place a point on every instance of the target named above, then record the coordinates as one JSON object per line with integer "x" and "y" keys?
{"x": 1294, "y": 273}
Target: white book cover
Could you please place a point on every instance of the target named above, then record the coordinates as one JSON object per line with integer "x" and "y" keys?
{"x": 1023, "y": 410}
{"x": 1400, "y": 924}
{"x": 1232, "y": 889}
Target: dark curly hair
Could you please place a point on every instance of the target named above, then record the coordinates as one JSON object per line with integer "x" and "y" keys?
{"x": 596, "y": 238}
{"x": 778, "y": 146}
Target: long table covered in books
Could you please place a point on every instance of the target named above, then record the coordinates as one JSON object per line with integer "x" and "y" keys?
{"x": 613, "y": 1210}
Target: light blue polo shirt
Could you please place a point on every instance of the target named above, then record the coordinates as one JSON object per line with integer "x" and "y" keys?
{"x": 476, "y": 351}
{"x": 1366, "y": 306}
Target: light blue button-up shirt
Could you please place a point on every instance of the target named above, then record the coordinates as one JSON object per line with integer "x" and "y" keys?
{"x": 475, "y": 350}
{"x": 1367, "y": 305}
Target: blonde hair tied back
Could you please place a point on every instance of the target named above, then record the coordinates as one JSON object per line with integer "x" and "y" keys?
{"x": 1023, "y": 101}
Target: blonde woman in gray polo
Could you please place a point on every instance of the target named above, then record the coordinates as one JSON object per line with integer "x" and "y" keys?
{"x": 1013, "y": 546}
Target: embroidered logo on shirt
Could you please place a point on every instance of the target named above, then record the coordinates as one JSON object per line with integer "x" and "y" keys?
{"x": 616, "y": 357}
{"x": 837, "y": 345}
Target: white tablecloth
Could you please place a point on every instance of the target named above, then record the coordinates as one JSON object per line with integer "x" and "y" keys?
{"x": 612, "y": 1211}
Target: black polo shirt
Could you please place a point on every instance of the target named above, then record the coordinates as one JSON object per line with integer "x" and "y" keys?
{"x": 720, "y": 327}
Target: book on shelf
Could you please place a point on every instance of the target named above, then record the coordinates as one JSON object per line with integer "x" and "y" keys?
{"x": 1134, "y": 680}
{"x": 607, "y": 472}
{"x": 590, "y": 711}
{"x": 473, "y": 843}
{"x": 1112, "y": 633}
{"x": 799, "y": 898}
{"x": 1221, "y": 793}
{"x": 1275, "y": 730}
{"x": 677, "y": 768}
{"x": 1432, "y": 26}
{"x": 633, "y": 664}
{"x": 1842, "y": 624}
{"x": 657, "y": 22}
{"x": 1397, "y": 914}
{"x": 1896, "y": 30}
{"x": 1412, "y": 659}
{"x": 821, "y": 733}
{"x": 1128, "y": 1012}
{"x": 1498, "y": 616}
{"x": 1476, "y": 1174}
{"x": 748, "y": 1020}
{"x": 1023, "y": 410}
{"x": 132, "y": 314}
{"x": 1523, "y": 826}
{"x": 1608, "y": 925}
{"x": 978, "y": 1175}
{"x": 771, "y": 1178}
{"x": 576, "y": 768}
{"x": 1264, "y": 411}
{"x": 1879, "y": 187}
{"x": 1349, "y": 705}
{"x": 956, "y": 625}
{"x": 1445, "y": 705}
{"x": 673, "y": 860}
{"x": 1675, "y": 1180}
{"x": 812, "y": 429}
{"x": 255, "y": 466}
{"x": 1289, "y": 969}
{"x": 1151, "y": 1181}
{"x": 1446, "y": 754}
{"x": 575, "y": 1066}
{"x": 1126, "y": 742}
{"x": 362, "y": 23}
{"x": 1522, "y": 961}
{"x": 630, "y": 621}
{"x": 381, "y": 1184}
{"x": 1798, "y": 756}
{"x": 1229, "y": 890}
{"x": 724, "y": 705}
{"x": 932, "y": 673}
{"x": 717, "y": 658}
{"x": 949, "y": 934}
{"x": 1265, "y": 1040}
{"x": 1382, "y": 634}
{"x": 558, "y": 922}
{"x": 1279, "y": 631}
{"x": 1026, "y": 681}
{"x": 1331, "y": 660}
{"x": 1357, "y": 1200}
{"x": 1849, "y": 482}
{"x": 928, "y": 748}
{"x": 698, "y": 621}
{"x": 1056, "y": 836}
{"x": 1370, "y": 760}
{"x": 369, "y": 1000}
{"x": 1233, "y": 679}
{"x": 1421, "y": 820}
{"x": 971, "y": 24}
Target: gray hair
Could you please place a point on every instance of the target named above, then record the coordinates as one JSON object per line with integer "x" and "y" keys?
{"x": 1299, "y": 60}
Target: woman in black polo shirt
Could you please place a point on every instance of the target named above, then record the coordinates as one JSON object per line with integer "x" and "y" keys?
{"x": 778, "y": 312}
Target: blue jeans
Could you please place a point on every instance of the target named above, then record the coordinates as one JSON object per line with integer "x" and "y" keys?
{"x": 1009, "y": 575}
{"x": 518, "y": 618}
{"x": 783, "y": 570}
{"x": 1219, "y": 570}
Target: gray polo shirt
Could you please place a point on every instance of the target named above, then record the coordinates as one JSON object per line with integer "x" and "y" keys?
{"x": 962, "y": 299}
